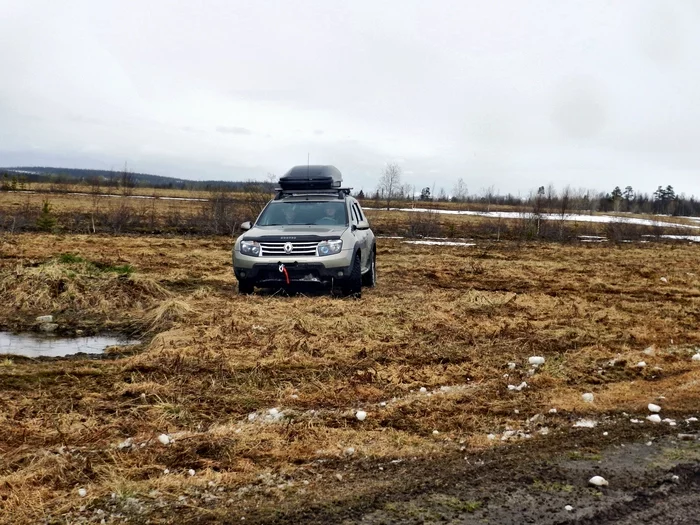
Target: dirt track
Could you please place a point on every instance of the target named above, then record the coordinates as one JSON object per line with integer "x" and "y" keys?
{"x": 529, "y": 489}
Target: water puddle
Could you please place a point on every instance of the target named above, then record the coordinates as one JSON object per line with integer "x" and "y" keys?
{"x": 34, "y": 345}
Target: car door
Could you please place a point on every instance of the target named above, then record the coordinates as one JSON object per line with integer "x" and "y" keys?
{"x": 362, "y": 235}
{"x": 369, "y": 233}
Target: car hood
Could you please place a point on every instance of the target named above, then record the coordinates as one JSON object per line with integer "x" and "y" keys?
{"x": 294, "y": 231}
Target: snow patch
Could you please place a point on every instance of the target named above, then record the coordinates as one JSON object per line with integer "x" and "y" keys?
{"x": 440, "y": 243}
{"x": 571, "y": 217}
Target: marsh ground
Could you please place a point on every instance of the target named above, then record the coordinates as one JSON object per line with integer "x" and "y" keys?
{"x": 212, "y": 366}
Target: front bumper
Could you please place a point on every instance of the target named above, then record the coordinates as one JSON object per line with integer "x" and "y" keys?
{"x": 268, "y": 274}
{"x": 301, "y": 270}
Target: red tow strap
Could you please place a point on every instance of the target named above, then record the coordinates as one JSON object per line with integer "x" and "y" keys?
{"x": 283, "y": 269}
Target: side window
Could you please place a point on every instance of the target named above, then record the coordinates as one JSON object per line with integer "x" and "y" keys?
{"x": 355, "y": 220}
{"x": 358, "y": 211}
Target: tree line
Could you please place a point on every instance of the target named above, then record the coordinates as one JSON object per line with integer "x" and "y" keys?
{"x": 545, "y": 199}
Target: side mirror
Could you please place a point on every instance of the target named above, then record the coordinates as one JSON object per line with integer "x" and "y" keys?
{"x": 363, "y": 225}
{"x": 245, "y": 226}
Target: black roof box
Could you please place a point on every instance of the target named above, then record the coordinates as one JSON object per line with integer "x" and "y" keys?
{"x": 311, "y": 178}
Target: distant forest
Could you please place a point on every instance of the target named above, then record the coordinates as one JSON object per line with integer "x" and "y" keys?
{"x": 665, "y": 200}
{"x": 16, "y": 176}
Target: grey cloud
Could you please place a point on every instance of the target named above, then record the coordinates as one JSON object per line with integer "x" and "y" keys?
{"x": 511, "y": 94}
{"x": 233, "y": 130}
{"x": 87, "y": 120}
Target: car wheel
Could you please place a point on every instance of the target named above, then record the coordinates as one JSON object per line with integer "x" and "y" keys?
{"x": 246, "y": 287}
{"x": 353, "y": 285}
{"x": 370, "y": 278}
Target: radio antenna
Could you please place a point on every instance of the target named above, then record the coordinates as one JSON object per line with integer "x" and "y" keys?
{"x": 308, "y": 167}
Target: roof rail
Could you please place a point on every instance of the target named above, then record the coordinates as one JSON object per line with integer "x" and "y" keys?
{"x": 331, "y": 192}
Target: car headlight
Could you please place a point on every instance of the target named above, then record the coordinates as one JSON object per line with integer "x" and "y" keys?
{"x": 251, "y": 248}
{"x": 329, "y": 247}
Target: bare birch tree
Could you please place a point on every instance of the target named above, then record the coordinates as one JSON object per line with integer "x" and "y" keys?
{"x": 390, "y": 183}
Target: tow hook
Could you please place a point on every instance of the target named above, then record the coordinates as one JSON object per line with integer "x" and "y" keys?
{"x": 283, "y": 270}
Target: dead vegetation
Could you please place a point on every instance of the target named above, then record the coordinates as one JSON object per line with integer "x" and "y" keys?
{"x": 259, "y": 394}
{"x": 221, "y": 212}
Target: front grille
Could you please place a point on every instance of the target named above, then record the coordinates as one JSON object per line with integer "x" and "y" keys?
{"x": 299, "y": 249}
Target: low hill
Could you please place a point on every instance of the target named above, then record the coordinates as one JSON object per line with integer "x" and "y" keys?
{"x": 74, "y": 175}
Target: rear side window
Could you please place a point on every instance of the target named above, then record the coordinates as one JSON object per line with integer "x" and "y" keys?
{"x": 355, "y": 218}
{"x": 358, "y": 211}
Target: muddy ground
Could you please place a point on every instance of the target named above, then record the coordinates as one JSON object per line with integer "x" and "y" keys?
{"x": 258, "y": 396}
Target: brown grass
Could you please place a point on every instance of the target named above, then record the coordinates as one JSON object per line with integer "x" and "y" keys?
{"x": 218, "y": 363}
{"x": 87, "y": 213}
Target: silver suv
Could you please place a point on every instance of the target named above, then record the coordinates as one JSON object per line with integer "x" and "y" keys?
{"x": 312, "y": 232}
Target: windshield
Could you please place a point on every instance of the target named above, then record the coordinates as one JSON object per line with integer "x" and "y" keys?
{"x": 329, "y": 213}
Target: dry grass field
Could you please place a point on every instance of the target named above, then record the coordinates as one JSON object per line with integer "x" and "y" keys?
{"x": 215, "y": 213}
{"x": 259, "y": 394}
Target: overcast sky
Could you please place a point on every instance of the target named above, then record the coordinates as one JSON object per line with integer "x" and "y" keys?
{"x": 509, "y": 94}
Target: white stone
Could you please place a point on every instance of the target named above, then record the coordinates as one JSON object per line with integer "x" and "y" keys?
{"x": 588, "y": 397}
{"x": 654, "y": 408}
{"x": 164, "y": 439}
{"x": 536, "y": 360}
{"x": 82, "y": 493}
{"x": 126, "y": 443}
{"x": 361, "y": 415}
{"x": 44, "y": 319}
{"x": 568, "y": 508}
{"x": 654, "y": 418}
{"x": 598, "y": 481}
{"x": 191, "y": 472}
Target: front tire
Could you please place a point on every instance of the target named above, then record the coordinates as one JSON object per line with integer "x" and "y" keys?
{"x": 245, "y": 287}
{"x": 370, "y": 278}
{"x": 353, "y": 285}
